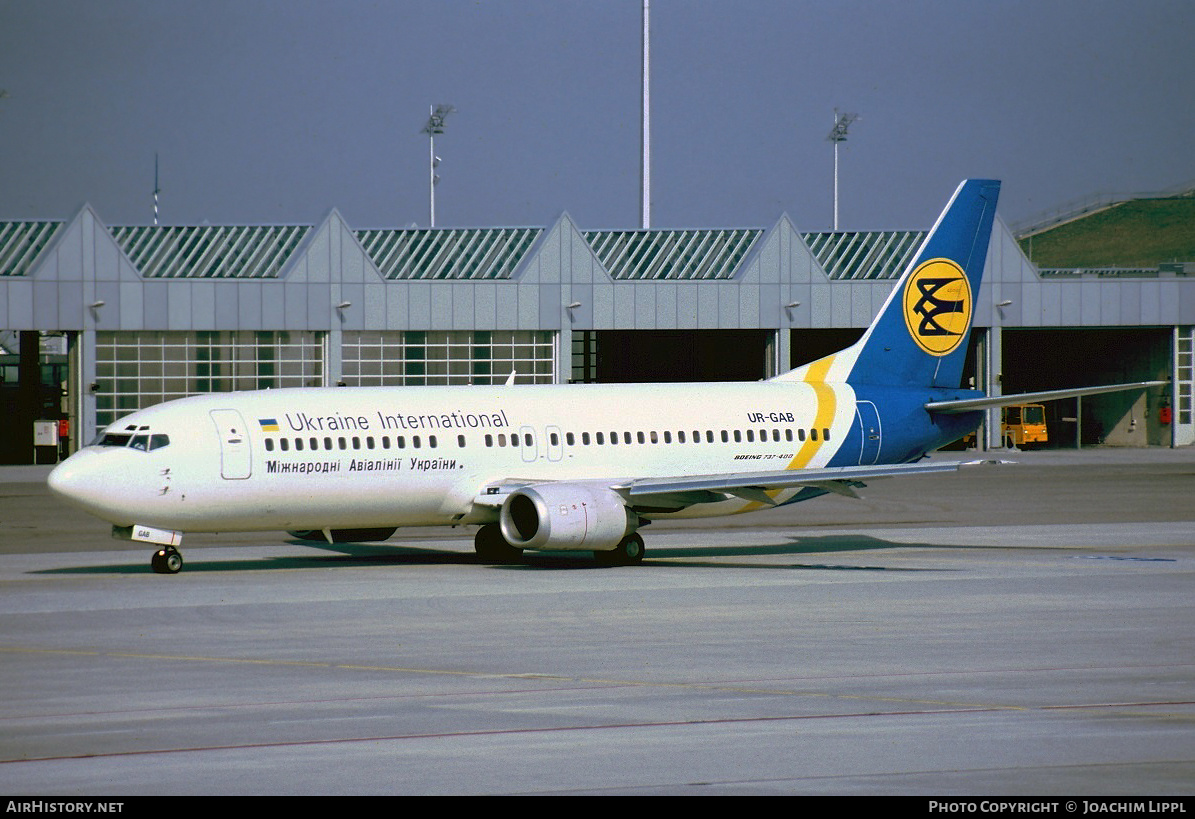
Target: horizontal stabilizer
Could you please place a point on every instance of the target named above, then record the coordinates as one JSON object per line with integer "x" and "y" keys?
{"x": 987, "y": 402}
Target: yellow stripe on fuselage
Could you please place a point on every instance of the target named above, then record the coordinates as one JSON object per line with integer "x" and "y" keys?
{"x": 827, "y": 404}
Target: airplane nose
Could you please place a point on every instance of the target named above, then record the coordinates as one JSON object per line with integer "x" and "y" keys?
{"x": 79, "y": 480}
{"x": 64, "y": 480}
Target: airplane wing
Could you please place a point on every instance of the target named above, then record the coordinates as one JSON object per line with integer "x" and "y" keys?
{"x": 988, "y": 402}
{"x": 674, "y": 493}
{"x": 685, "y": 491}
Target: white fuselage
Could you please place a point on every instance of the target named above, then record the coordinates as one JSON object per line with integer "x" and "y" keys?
{"x": 363, "y": 457}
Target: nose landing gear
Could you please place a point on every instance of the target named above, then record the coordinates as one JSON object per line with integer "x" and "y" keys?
{"x": 167, "y": 560}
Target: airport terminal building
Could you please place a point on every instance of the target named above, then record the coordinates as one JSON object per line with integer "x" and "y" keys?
{"x": 97, "y": 321}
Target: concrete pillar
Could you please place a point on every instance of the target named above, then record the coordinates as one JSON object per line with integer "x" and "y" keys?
{"x": 333, "y": 358}
{"x": 780, "y": 360}
{"x": 83, "y": 355}
{"x": 993, "y": 359}
{"x": 564, "y": 353}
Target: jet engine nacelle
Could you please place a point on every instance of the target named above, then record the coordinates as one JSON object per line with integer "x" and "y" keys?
{"x": 565, "y": 516}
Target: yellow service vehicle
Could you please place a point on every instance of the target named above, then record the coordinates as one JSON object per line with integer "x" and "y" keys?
{"x": 1024, "y": 424}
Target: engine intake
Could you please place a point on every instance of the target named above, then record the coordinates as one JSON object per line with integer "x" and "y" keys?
{"x": 565, "y": 516}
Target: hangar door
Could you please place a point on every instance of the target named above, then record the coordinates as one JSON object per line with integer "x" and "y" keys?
{"x": 1049, "y": 359}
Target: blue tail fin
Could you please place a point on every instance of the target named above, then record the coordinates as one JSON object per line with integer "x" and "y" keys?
{"x": 920, "y": 336}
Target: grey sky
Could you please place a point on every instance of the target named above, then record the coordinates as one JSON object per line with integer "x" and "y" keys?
{"x": 277, "y": 110}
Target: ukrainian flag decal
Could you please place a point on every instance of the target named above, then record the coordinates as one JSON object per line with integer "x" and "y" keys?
{"x": 268, "y": 424}
{"x": 937, "y": 306}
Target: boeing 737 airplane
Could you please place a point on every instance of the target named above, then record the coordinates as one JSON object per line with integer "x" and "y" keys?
{"x": 560, "y": 467}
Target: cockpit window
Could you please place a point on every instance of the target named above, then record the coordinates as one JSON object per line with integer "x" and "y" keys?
{"x": 142, "y": 441}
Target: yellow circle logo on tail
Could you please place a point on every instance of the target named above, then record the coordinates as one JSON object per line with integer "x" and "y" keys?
{"x": 937, "y": 306}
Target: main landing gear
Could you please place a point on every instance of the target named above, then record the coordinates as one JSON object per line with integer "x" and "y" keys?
{"x": 628, "y": 552}
{"x": 491, "y": 547}
{"x": 167, "y": 560}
